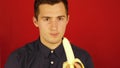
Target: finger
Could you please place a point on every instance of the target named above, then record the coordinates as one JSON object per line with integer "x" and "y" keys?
{"x": 77, "y": 65}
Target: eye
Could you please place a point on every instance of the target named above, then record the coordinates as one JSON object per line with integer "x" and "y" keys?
{"x": 60, "y": 18}
{"x": 46, "y": 19}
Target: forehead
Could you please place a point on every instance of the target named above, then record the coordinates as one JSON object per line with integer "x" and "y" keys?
{"x": 56, "y": 9}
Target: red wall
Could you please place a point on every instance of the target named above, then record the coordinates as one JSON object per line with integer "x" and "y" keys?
{"x": 94, "y": 26}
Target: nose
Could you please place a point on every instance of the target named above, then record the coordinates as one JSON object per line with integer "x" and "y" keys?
{"x": 54, "y": 25}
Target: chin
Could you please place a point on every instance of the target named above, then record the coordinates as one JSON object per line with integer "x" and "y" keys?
{"x": 55, "y": 41}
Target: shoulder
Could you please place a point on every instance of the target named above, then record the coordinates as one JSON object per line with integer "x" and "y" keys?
{"x": 84, "y": 56}
{"x": 26, "y": 50}
{"x": 79, "y": 51}
{"x": 21, "y": 55}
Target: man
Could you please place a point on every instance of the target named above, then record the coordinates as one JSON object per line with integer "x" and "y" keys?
{"x": 51, "y": 18}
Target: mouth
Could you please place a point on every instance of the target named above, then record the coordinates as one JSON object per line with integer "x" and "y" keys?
{"x": 54, "y": 34}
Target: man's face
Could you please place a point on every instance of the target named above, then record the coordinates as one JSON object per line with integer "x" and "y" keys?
{"x": 52, "y": 21}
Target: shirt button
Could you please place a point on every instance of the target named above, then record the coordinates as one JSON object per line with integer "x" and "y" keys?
{"x": 52, "y": 62}
{"x": 52, "y": 51}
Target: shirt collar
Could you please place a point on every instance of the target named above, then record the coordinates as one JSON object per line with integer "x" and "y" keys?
{"x": 46, "y": 51}
{"x": 59, "y": 50}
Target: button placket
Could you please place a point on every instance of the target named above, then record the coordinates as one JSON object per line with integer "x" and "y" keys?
{"x": 52, "y": 62}
{"x": 52, "y": 51}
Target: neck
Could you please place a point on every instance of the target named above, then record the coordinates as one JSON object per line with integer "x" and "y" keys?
{"x": 51, "y": 46}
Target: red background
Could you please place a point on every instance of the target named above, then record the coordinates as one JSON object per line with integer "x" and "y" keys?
{"x": 94, "y": 26}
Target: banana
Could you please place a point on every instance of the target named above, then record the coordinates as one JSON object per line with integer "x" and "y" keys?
{"x": 71, "y": 60}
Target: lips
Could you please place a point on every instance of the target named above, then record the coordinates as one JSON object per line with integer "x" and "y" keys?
{"x": 54, "y": 34}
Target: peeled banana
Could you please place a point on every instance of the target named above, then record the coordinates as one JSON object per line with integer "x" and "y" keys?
{"x": 71, "y": 60}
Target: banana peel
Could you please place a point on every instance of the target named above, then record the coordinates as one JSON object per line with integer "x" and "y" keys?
{"x": 71, "y": 60}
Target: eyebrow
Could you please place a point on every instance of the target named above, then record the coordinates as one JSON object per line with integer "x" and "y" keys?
{"x": 51, "y": 17}
{"x": 61, "y": 16}
{"x": 46, "y": 17}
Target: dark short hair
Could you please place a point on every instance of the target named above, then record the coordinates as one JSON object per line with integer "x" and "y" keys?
{"x": 51, "y": 2}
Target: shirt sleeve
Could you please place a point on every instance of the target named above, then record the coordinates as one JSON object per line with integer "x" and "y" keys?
{"x": 12, "y": 61}
{"x": 89, "y": 62}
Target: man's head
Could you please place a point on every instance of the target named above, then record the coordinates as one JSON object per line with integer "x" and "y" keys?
{"x": 51, "y": 2}
{"x": 52, "y": 19}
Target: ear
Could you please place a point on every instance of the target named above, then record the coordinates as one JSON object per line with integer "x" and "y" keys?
{"x": 35, "y": 21}
{"x": 68, "y": 19}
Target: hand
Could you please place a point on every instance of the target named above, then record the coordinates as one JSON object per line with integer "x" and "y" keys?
{"x": 77, "y": 65}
